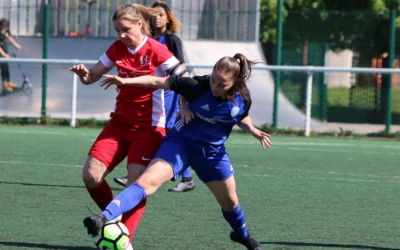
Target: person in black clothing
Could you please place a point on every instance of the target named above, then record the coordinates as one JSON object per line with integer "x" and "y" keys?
{"x": 164, "y": 27}
{"x": 5, "y": 36}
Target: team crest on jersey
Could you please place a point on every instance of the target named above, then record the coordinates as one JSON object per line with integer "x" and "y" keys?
{"x": 235, "y": 111}
{"x": 144, "y": 61}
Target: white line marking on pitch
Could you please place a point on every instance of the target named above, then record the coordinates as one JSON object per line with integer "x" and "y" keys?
{"x": 326, "y": 179}
{"x": 41, "y": 163}
{"x": 325, "y": 172}
{"x": 234, "y": 142}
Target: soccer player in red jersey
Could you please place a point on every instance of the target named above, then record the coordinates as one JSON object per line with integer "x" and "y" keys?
{"x": 137, "y": 125}
{"x": 165, "y": 25}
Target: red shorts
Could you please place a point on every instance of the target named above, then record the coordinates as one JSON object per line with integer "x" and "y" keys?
{"x": 114, "y": 143}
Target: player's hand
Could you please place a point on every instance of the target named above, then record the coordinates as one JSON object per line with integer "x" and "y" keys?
{"x": 185, "y": 113}
{"x": 111, "y": 80}
{"x": 263, "y": 137}
{"x": 82, "y": 71}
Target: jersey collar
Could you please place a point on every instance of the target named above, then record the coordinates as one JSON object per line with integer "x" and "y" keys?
{"x": 133, "y": 51}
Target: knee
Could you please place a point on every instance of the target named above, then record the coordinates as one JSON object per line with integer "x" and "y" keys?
{"x": 149, "y": 183}
{"x": 90, "y": 180}
{"x": 93, "y": 173}
{"x": 229, "y": 205}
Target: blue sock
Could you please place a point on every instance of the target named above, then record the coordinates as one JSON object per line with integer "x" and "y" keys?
{"x": 236, "y": 219}
{"x": 125, "y": 201}
{"x": 187, "y": 174}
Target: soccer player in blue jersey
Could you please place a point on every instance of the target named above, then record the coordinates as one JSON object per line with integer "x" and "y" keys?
{"x": 218, "y": 102}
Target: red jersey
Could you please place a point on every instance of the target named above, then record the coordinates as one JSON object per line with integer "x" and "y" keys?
{"x": 137, "y": 106}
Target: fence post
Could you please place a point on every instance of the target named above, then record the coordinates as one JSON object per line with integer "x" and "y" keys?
{"x": 392, "y": 47}
{"x": 308, "y": 103}
{"x": 73, "y": 100}
{"x": 278, "y": 62}
{"x": 324, "y": 88}
{"x": 46, "y": 31}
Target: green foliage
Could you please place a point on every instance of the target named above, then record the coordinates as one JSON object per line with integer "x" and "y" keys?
{"x": 341, "y": 24}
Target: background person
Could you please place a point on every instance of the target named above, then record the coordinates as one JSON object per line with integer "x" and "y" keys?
{"x": 5, "y": 37}
{"x": 219, "y": 101}
{"x": 137, "y": 125}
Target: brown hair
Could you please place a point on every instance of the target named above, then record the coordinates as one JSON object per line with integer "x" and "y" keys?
{"x": 240, "y": 67}
{"x": 136, "y": 12}
{"x": 173, "y": 24}
{"x": 4, "y": 22}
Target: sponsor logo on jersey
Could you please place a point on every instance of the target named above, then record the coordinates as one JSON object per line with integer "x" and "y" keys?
{"x": 205, "y": 107}
{"x": 144, "y": 61}
{"x": 212, "y": 120}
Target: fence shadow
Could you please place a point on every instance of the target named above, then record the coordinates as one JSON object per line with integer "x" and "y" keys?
{"x": 42, "y": 246}
{"x": 325, "y": 245}
{"x": 48, "y": 185}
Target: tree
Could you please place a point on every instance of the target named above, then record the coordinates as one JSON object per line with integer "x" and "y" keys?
{"x": 360, "y": 25}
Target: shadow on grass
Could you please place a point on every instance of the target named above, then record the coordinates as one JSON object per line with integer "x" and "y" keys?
{"x": 42, "y": 246}
{"x": 47, "y": 185}
{"x": 327, "y": 245}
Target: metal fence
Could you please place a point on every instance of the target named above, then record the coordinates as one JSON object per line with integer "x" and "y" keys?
{"x": 235, "y": 20}
{"x": 68, "y": 99}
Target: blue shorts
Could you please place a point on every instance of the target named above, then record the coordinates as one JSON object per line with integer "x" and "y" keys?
{"x": 209, "y": 163}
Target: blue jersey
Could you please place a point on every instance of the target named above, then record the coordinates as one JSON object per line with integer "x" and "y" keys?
{"x": 171, "y": 103}
{"x": 214, "y": 117}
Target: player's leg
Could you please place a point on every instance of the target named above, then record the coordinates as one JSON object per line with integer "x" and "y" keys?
{"x": 225, "y": 193}
{"x": 144, "y": 144}
{"x": 93, "y": 175}
{"x": 157, "y": 173}
{"x": 167, "y": 164}
{"x": 107, "y": 151}
{"x": 217, "y": 174}
{"x": 5, "y": 77}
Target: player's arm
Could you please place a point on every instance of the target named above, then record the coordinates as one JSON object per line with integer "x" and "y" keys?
{"x": 88, "y": 76}
{"x": 15, "y": 43}
{"x": 246, "y": 124}
{"x": 140, "y": 81}
{"x": 3, "y": 53}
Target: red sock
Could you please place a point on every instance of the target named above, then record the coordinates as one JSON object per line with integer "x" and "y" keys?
{"x": 132, "y": 218}
{"x": 102, "y": 195}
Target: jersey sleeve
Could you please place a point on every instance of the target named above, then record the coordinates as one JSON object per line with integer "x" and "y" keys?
{"x": 174, "y": 45}
{"x": 108, "y": 58}
{"x": 247, "y": 104}
{"x": 191, "y": 88}
{"x": 164, "y": 58}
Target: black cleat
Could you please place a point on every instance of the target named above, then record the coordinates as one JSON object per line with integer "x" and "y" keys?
{"x": 248, "y": 242}
{"x": 93, "y": 224}
{"x": 123, "y": 180}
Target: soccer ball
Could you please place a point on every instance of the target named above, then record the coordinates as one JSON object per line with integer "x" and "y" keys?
{"x": 113, "y": 236}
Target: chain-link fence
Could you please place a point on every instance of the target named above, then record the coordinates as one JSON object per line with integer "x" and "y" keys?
{"x": 235, "y": 20}
{"x": 341, "y": 39}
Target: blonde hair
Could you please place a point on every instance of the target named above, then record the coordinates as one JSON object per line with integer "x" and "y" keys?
{"x": 134, "y": 13}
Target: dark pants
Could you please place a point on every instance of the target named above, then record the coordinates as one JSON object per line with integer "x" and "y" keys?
{"x": 5, "y": 72}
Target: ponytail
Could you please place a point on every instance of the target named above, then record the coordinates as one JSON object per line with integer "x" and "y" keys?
{"x": 240, "y": 67}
